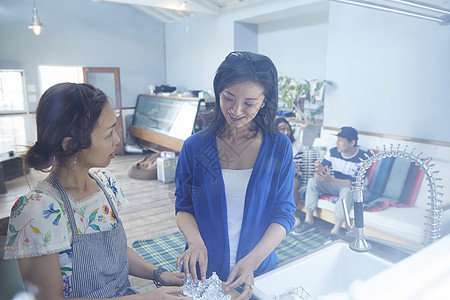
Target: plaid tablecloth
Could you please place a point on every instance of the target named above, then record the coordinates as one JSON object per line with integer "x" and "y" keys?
{"x": 163, "y": 251}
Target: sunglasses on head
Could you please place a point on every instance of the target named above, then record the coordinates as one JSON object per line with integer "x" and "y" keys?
{"x": 258, "y": 63}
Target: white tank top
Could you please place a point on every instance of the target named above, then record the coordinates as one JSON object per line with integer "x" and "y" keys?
{"x": 236, "y": 182}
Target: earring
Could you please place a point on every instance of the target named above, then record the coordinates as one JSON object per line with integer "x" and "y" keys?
{"x": 264, "y": 104}
{"x": 74, "y": 163}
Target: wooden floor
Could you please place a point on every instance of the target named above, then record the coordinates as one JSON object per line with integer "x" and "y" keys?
{"x": 150, "y": 214}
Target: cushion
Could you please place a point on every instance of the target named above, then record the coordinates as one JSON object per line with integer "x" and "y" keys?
{"x": 371, "y": 171}
{"x": 397, "y": 178}
{"x": 380, "y": 178}
{"x": 412, "y": 186}
{"x": 399, "y": 187}
{"x": 144, "y": 168}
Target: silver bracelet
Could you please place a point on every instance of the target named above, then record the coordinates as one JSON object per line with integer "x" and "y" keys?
{"x": 156, "y": 275}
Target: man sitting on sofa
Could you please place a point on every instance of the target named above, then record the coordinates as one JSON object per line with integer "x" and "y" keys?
{"x": 343, "y": 159}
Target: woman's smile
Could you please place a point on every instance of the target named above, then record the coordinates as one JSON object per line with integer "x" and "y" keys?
{"x": 235, "y": 118}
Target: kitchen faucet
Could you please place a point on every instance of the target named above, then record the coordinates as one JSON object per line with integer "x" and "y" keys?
{"x": 432, "y": 224}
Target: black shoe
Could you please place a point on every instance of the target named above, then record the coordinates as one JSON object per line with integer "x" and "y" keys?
{"x": 303, "y": 228}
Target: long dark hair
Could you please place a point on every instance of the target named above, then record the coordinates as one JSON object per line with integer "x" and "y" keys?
{"x": 240, "y": 66}
{"x": 64, "y": 110}
{"x": 283, "y": 120}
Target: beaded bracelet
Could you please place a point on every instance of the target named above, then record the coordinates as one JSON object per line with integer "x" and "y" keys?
{"x": 156, "y": 274}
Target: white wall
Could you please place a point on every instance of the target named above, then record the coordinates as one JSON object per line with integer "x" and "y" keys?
{"x": 391, "y": 72}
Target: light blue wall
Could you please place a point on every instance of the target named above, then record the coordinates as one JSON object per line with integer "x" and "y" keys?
{"x": 297, "y": 45}
{"x": 84, "y": 33}
{"x": 245, "y": 37}
{"x": 392, "y": 73}
{"x": 197, "y": 45}
{"x": 194, "y": 49}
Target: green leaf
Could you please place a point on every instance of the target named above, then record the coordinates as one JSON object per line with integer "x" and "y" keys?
{"x": 64, "y": 270}
{"x": 61, "y": 206}
{"x": 92, "y": 216}
{"x": 95, "y": 227}
{"x": 319, "y": 85}
{"x": 48, "y": 237}
{"x": 12, "y": 229}
{"x": 12, "y": 239}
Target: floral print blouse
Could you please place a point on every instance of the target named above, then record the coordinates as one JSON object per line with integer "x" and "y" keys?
{"x": 39, "y": 223}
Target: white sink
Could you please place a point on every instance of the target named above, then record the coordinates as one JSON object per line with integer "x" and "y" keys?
{"x": 328, "y": 270}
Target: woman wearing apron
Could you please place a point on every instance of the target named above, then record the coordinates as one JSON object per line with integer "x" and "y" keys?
{"x": 66, "y": 232}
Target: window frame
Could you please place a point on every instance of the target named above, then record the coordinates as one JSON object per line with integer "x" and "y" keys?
{"x": 24, "y": 113}
{"x": 24, "y": 94}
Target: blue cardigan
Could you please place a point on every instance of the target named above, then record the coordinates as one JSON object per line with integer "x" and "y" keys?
{"x": 269, "y": 198}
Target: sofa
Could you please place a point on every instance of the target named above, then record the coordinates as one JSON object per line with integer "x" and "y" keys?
{"x": 395, "y": 198}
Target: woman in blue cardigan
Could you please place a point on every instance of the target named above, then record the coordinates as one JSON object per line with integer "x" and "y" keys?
{"x": 234, "y": 199}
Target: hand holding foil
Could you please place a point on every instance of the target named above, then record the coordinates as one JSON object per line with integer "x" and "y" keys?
{"x": 242, "y": 273}
{"x": 196, "y": 253}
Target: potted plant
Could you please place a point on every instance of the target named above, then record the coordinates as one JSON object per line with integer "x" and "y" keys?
{"x": 305, "y": 98}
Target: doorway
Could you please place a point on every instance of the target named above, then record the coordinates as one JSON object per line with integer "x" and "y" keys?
{"x": 108, "y": 80}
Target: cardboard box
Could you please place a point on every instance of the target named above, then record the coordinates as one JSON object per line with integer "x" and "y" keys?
{"x": 165, "y": 168}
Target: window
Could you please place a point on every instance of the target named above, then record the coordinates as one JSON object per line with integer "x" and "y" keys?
{"x": 12, "y": 111}
{"x": 12, "y": 133}
{"x": 11, "y": 91}
{"x": 17, "y": 126}
{"x": 51, "y": 75}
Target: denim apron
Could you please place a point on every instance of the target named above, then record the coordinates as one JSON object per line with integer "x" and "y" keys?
{"x": 99, "y": 261}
